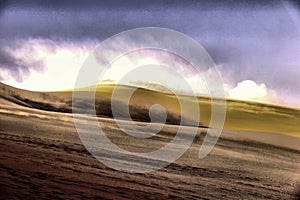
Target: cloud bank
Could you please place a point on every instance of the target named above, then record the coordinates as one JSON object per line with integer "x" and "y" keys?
{"x": 251, "y": 40}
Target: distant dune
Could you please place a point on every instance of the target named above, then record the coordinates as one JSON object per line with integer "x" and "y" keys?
{"x": 241, "y": 115}
{"x": 62, "y": 102}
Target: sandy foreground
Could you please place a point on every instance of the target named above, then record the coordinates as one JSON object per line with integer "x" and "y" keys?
{"x": 42, "y": 156}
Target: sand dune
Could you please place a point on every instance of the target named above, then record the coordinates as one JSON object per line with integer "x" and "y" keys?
{"x": 43, "y": 157}
{"x": 62, "y": 102}
{"x": 240, "y": 115}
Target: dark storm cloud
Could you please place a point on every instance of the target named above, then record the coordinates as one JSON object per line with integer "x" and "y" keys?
{"x": 101, "y": 19}
{"x": 135, "y": 4}
{"x": 16, "y": 67}
{"x": 2, "y": 5}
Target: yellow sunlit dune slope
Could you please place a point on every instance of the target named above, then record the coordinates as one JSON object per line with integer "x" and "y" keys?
{"x": 241, "y": 115}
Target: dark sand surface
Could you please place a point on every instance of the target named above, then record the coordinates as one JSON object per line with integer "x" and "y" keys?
{"x": 42, "y": 157}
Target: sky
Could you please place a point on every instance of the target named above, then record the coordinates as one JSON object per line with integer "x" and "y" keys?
{"x": 255, "y": 44}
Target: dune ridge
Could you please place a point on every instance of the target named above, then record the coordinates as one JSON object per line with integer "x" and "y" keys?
{"x": 241, "y": 115}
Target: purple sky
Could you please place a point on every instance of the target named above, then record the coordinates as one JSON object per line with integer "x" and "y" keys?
{"x": 249, "y": 41}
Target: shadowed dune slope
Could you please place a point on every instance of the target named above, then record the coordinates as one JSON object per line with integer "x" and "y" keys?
{"x": 241, "y": 115}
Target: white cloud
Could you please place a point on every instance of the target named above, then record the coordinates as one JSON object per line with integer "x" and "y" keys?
{"x": 61, "y": 61}
{"x": 251, "y": 91}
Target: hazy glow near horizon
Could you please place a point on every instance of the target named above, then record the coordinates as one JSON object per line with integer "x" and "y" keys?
{"x": 62, "y": 65}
